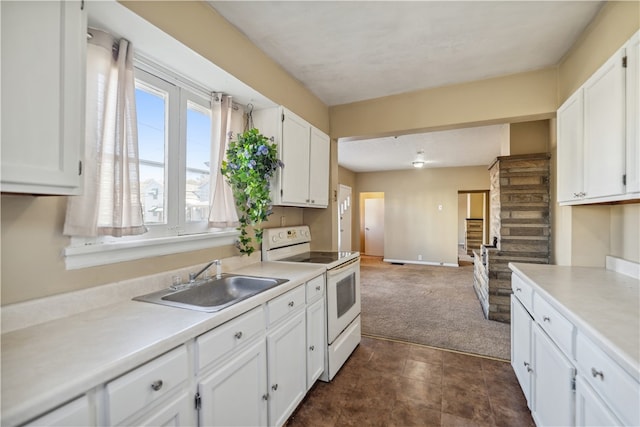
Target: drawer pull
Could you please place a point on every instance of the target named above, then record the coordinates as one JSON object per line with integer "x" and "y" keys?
{"x": 290, "y": 303}
{"x": 318, "y": 288}
{"x": 597, "y": 374}
{"x": 238, "y": 335}
{"x": 313, "y": 347}
{"x": 156, "y": 385}
{"x": 519, "y": 289}
{"x": 265, "y": 396}
{"x": 546, "y": 319}
{"x": 274, "y": 387}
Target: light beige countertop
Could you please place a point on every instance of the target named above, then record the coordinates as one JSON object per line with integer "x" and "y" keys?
{"x": 602, "y": 304}
{"x": 48, "y": 364}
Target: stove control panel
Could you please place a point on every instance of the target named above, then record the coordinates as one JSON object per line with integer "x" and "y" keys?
{"x": 285, "y": 236}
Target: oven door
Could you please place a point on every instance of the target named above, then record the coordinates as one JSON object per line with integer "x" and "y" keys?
{"x": 343, "y": 297}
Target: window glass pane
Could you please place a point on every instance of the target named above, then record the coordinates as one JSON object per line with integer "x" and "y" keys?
{"x": 150, "y": 108}
{"x": 198, "y": 159}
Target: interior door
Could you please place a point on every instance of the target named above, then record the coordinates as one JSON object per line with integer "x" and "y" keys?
{"x": 374, "y": 227}
{"x": 344, "y": 218}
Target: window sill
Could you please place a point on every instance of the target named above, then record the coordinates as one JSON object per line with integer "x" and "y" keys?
{"x": 81, "y": 255}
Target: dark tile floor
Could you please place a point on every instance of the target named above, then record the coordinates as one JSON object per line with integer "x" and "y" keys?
{"x": 388, "y": 383}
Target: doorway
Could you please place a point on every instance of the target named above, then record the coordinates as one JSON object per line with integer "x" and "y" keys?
{"x": 344, "y": 218}
{"x": 473, "y": 212}
{"x": 372, "y": 224}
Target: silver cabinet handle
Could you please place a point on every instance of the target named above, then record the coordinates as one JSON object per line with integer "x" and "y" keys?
{"x": 546, "y": 319}
{"x": 274, "y": 387}
{"x": 528, "y": 366}
{"x": 312, "y": 348}
{"x": 318, "y": 288}
{"x": 290, "y": 303}
{"x": 519, "y": 289}
{"x": 265, "y": 396}
{"x": 597, "y": 374}
{"x": 238, "y": 335}
{"x": 156, "y": 385}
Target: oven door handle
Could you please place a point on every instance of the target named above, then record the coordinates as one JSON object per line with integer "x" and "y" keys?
{"x": 343, "y": 267}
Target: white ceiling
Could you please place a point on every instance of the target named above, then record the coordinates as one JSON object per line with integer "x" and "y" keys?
{"x": 348, "y": 51}
{"x": 453, "y": 148}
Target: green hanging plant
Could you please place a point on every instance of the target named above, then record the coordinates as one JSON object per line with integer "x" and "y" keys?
{"x": 251, "y": 162}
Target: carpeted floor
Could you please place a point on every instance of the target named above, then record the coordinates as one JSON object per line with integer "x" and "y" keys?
{"x": 434, "y": 306}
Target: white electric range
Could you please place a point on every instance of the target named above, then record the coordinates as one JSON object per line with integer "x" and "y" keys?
{"x": 292, "y": 244}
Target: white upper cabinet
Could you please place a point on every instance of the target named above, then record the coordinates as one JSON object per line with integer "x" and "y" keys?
{"x": 304, "y": 150}
{"x": 604, "y": 129}
{"x": 43, "y": 87}
{"x": 570, "y": 156}
{"x": 598, "y": 148}
{"x": 319, "y": 153}
{"x": 633, "y": 114}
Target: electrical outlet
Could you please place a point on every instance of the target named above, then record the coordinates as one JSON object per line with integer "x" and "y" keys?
{"x": 419, "y": 257}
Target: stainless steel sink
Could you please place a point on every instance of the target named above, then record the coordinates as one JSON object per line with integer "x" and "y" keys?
{"x": 213, "y": 294}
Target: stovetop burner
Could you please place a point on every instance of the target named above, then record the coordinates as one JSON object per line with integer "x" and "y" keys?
{"x": 318, "y": 257}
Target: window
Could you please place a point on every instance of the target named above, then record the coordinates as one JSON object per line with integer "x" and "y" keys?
{"x": 174, "y": 145}
{"x": 174, "y": 148}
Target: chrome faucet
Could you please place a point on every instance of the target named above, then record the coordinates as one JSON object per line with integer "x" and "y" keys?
{"x": 217, "y": 262}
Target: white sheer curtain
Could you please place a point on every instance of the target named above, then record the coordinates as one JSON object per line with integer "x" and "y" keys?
{"x": 226, "y": 123}
{"x": 110, "y": 203}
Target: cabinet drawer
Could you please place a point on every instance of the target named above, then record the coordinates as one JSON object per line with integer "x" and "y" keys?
{"x": 315, "y": 288}
{"x": 554, "y": 324}
{"x": 615, "y": 386}
{"x": 523, "y": 291}
{"x": 141, "y": 387}
{"x": 218, "y": 342}
{"x": 279, "y": 307}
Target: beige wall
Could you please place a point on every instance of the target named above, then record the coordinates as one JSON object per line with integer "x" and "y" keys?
{"x": 413, "y": 224}
{"x": 529, "y": 137}
{"x": 518, "y": 97}
{"x": 31, "y": 227}
{"x": 583, "y": 235}
{"x": 200, "y": 27}
{"x": 616, "y": 22}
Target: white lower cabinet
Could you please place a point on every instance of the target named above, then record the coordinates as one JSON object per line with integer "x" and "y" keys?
{"x": 553, "y": 376}
{"x": 521, "y": 323}
{"x": 316, "y": 341}
{"x": 590, "y": 409}
{"x": 287, "y": 368}
{"x": 567, "y": 378}
{"x": 138, "y": 397}
{"x": 235, "y": 393}
{"x": 75, "y": 413}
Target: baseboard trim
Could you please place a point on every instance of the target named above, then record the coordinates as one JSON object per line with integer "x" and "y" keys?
{"x": 404, "y": 261}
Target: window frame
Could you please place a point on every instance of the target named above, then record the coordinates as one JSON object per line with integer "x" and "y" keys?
{"x": 176, "y": 235}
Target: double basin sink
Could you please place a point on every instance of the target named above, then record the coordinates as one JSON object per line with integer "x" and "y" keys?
{"x": 214, "y": 294}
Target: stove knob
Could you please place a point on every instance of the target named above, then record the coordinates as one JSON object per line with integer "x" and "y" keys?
{"x": 274, "y": 239}
{"x": 281, "y": 235}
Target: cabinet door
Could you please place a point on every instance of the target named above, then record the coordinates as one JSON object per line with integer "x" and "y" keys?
{"x": 604, "y": 129}
{"x": 295, "y": 155}
{"x": 319, "y": 169}
{"x": 287, "y": 368}
{"x": 633, "y": 114}
{"x": 75, "y": 413}
{"x": 177, "y": 412}
{"x": 521, "y": 346}
{"x": 316, "y": 341}
{"x": 570, "y": 144}
{"x": 553, "y": 397}
{"x": 43, "y": 88}
{"x": 235, "y": 394}
{"x": 590, "y": 410}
